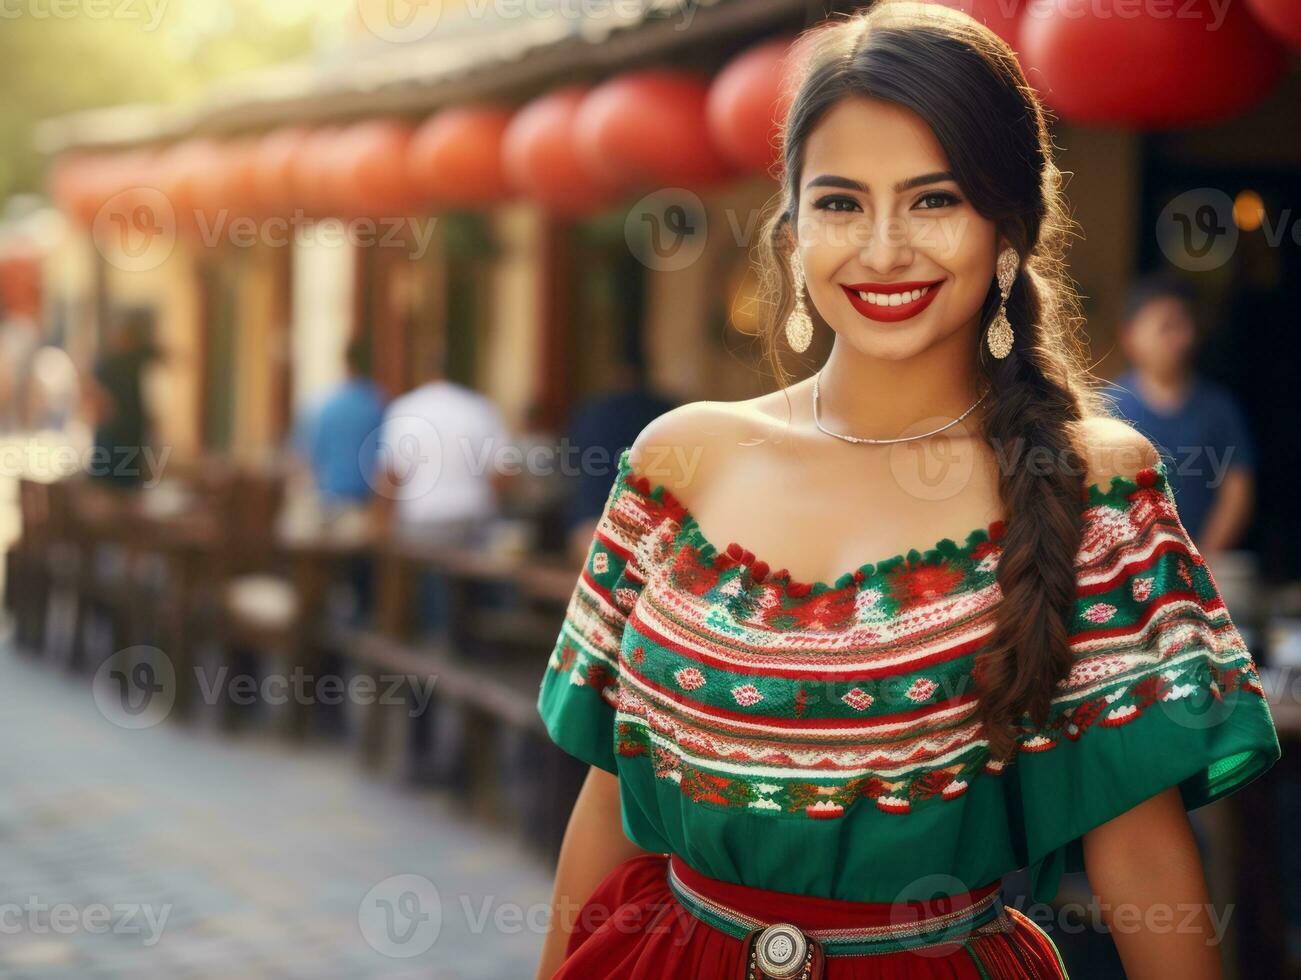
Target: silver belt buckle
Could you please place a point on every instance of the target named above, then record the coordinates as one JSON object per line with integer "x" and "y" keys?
{"x": 780, "y": 951}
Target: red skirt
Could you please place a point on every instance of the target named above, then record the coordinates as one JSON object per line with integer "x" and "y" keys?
{"x": 637, "y": 925}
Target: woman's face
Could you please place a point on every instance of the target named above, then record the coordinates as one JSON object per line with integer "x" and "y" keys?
{"x": 895, "y": 257}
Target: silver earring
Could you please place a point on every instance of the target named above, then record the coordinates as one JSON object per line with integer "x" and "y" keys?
{"x": 999, "y": 335}
{"x": 799, "y": 325}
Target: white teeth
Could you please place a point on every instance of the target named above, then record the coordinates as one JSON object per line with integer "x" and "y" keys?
{"x": 893, "y": 299}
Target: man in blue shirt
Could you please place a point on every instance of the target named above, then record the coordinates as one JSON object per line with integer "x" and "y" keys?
{"x": 341, "y": 439}
{"x": 1195, "y": 423}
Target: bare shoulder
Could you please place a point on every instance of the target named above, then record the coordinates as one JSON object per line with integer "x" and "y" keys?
{"x": 681, "y": 447}
{"x": 1113, "y": 447}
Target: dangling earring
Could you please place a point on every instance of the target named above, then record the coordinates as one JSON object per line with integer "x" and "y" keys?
{"x": 799, "y": 326}
{"x": 999, "y": 335}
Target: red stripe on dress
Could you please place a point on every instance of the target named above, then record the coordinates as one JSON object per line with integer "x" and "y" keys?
{"x": 941, "y": 656}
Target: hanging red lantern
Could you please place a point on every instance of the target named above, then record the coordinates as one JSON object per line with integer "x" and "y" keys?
{"x": 539, "y": 156}
{"x": 650, "y": 128}
{"x": 311, "y": 171}
{"x": 239, "y": 177}
{"x": 1093, "y": 66}
{"x": 272, "y": 174}
{"x": 748, "y": 102}
{"x": 76, "y": 184}
{"x": 191, "y": 180}
{"x": 455, "y": 156}
{"x": 368, "y": 174}
{"x": 1282, "y": 18}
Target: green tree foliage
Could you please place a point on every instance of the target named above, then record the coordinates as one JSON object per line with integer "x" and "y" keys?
{"x": 61, "y": 56}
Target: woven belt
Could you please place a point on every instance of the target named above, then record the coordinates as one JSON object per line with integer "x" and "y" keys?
{"x": 783, "y": 951}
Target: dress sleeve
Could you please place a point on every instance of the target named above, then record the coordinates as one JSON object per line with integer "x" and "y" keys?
{"x": 578, "y": 696}
{"x": 1162, "y": 692}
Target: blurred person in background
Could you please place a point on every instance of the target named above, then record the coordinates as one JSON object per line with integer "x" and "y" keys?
{"x": 123, "y": 429}
{"x": 341, "y": 438}
{"x": 1198, "y": 425}
{"x": 437, "y": 480}
{"x": 336, "y": 438}
{"x": 599, "y": 429}
{"x": 439, "y": 486}
{"x": 1193, "y": 420}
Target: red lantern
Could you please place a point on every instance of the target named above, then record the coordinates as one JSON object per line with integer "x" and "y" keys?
{"x": 312, "y": 171}
{"x": 748, "y": 102}
{"x": 368, "y": 174}
{"x": 539, "y": 156}
{"x": 650, "y": 128}
{"x": 76, "y": 184}
{"x": 1281, "y": 17}
{"x": 191, "y": 180}
{"x": 455, "y": 157}
{"x": 239, "y": 178}
{"x": 273, "y": 165}
{"x": 1094, "y": 66}
{"x": 1003, "y": 17}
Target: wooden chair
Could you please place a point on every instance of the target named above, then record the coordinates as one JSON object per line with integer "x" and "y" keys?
{"x": 27, "y": 578}
{"x": 487, "y": 745}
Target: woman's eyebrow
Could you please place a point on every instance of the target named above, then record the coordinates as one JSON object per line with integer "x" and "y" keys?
{"x": 831, "y": 180}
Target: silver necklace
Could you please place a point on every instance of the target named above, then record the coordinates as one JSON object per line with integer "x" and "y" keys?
{"x": 818, "y": 421}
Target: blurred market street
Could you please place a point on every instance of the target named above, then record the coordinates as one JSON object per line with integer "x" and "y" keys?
{"x": 254, "y": 858}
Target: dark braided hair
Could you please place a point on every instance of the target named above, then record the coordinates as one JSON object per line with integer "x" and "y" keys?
{"x": 966, "y": 84}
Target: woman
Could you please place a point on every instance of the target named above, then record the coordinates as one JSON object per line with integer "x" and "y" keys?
{"x": 825, "y": 769}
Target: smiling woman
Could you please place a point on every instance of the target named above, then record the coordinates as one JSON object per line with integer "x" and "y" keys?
{"x": 826, "y": 774}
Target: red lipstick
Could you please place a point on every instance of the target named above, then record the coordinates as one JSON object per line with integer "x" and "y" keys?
{"x": 875, "y": 299}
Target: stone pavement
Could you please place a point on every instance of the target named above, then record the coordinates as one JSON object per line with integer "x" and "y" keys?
{"x": 176, "y": 853}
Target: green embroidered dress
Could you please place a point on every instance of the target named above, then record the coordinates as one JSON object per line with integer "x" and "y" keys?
{"x": 820, "y": 738}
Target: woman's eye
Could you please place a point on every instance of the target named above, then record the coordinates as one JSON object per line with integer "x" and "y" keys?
{"x": 825, "y": 204}
{"x": 943, "y": 199}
